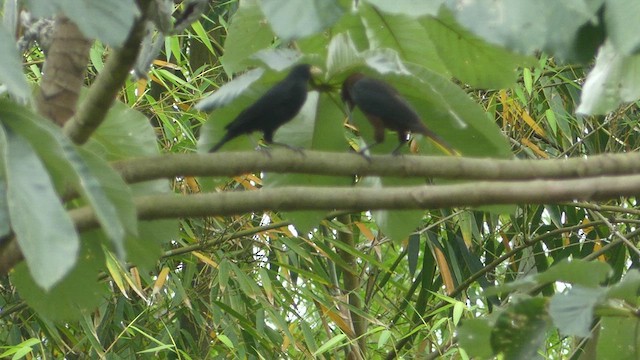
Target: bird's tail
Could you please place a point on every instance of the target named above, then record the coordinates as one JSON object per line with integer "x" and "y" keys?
{"x": 440, "y": 142}
{"x": 228, "y": 136}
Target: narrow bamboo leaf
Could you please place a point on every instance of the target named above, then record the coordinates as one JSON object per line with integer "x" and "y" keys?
{"x": 332, "y": 344}
{"x": 44, "y": 231}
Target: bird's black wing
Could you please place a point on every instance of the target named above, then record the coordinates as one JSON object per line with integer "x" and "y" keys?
{"x": 381, "y": 100}
{"x": 277, "y": 106}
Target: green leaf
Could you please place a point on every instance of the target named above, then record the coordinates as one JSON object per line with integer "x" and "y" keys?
{"x": 627, "y": 288}
{"x": 106, "y": 20}
{"x": 145, "y": 248}
{"x": 247, "y": 34}
{"x": 277, "y": 59}
{"x": 618, "y": 338}
{"x": 43, "y": 229}
{"x": 471, "y": 59}
{"x": 41, "y": 8}
{"x": 341, "y": 55}
{"x": 395, "y": 224}
{"x": 298, "y": 19}
{"x": 572, "y": 311}
{"x": 230, "y": 91}
{"x": 623, "y": 27}
{"x": 80, "y": 291}
{"x": 65, "y": 164}
{"x": 577, "y": 272}
{"x": 412, "y": 8}
{"x": 11, "y": 75}
{"x": 124, "y": 134}
{"x": 614, "y": 79}
{"x": 413, "y": 253}
{"x": 558, "y": 26}
{"x": 404, "y": 35}
{"x": 521, "y": 330}
{"x": 116, "y": 190}
{"x": 332, "y": 344}
{"x": 474, "y": 335}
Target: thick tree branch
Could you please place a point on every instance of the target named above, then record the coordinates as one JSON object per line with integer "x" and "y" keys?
{"x": 358, "y": 199}
{"x": 325, "y": 163}
{"x": 94, "y": 108}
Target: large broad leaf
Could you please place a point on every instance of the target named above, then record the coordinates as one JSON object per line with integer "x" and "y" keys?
{"x": 124, "y": 134}
{"x": 412, "y": 8}
{"x": 471, "y": 59}
{"x": 230, "y": 91}
{"x": 572, "y": 311}
{"x": 80, "y": 291}
{"x": 43, "y": 229}
{"x": 11, "y": 75}
{"x": 65, "y": 164}
{"x": 247, "y": 34}
{"x": 298, "y": 19}
{"x": 614, "y": 79}
{"x": 623, "y": 26}
{"x": 558, "y": 26}
{"x": 5, "y": 221}
{"x": 403, "y": 34}
{"x": 619, "y": 338}
{"x": 521, "y": 330}
{"x": 577, "y": 272}
{"x": 106, "y": 20}
{"x": 474, "y": 336}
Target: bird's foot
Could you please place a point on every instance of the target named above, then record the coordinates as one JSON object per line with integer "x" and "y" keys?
{"x": 366, "y": 156}
{"x": 265, "y": 150}
{"x": 298, "y": 149}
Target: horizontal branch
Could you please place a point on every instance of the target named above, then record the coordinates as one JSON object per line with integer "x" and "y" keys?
{"x": 358, "y": 199}
{"x": 348, "y": 164}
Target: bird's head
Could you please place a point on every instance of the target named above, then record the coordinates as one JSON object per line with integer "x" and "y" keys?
{"x": 345, "y": 93}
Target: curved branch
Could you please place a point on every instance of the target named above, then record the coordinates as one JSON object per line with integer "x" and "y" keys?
{"x": 359, "y": 199}
{"x": 325, "y": 163}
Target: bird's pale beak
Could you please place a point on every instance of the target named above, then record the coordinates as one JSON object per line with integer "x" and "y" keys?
{"x": 315, "y": 71}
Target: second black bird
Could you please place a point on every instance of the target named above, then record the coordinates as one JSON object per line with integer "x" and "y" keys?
{"x": 383, "y": 106}
{"x": 276, "y": 107}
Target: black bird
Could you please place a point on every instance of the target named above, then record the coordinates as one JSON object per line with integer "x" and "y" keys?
{"x": 386, "y": 109}
{"x": 275, "y": 108}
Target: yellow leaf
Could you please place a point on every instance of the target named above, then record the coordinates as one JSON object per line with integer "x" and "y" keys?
{"x": 205, "y": 259}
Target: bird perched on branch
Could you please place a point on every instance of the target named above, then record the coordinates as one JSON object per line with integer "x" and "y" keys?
{"x": 383, "y": 106}
{"x": 275, "y": 108}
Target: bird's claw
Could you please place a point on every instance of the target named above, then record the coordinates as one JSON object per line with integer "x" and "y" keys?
{"x": 365, "y": 155}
